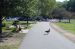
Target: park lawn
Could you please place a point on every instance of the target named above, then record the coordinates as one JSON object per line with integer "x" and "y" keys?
{"x": 67, "y": 26}
{"x": 73, "y": 21}
{"x": 21, "y": 22}
{"x": 9, "y": 23}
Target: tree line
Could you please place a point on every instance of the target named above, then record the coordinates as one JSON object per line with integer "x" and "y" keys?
{"x": 64, "y": 10}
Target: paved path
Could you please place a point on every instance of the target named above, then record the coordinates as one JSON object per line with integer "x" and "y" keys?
{"x": 35, "y": 39}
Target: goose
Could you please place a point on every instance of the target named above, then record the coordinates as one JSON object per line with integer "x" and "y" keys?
{"x": 48, "y": 30}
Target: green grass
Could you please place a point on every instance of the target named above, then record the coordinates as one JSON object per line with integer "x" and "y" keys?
{"x": 73, "y": 21}
{"x": 9, "y": 23}
{"x": 67, "y": 26}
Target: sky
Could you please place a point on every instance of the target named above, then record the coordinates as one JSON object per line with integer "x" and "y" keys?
{"x": 60, "y": 0}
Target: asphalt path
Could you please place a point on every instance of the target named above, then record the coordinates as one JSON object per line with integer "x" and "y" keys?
{"x": 37, "y": 38}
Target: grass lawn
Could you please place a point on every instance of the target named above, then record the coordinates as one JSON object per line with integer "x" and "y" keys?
{"x": 67, "y": 26}
{"x": 9, "y": 23}
{"x": 21, "y": 22}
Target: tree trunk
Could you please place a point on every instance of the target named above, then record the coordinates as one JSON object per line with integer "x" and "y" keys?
{"x": 27, "y": 22}
{"x": 0, "y": 25}
{"x": 69, "y": 20}
{"x": 59, "y": 20}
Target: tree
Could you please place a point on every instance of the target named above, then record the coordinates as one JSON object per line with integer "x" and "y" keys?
{"x": 45, "y": 7}
{"x": 60, "y": 11}
{"x": 70, "y": 6}
{"x": 5, "y": 6}
{"x": 16, "y": 8}
{"x": 31, "y": 9}
{"x": 9, "y": 8}
{"x": 27, "y": 8}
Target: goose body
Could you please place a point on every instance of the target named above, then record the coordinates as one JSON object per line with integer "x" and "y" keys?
{"x": 48, "y": 30}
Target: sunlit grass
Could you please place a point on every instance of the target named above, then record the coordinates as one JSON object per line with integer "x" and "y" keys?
{"x": 67, "y": 26}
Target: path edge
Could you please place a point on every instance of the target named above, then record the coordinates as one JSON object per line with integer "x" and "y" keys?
{"x": 67, "y": 34}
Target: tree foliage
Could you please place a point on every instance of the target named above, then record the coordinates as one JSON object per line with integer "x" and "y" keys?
{"x": 70, "y": 6}
{"x": 17, "y": 8}
{"x": 46, "y": 6}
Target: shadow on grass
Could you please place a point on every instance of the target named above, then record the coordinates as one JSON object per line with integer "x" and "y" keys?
{"x": 4, "y": 36}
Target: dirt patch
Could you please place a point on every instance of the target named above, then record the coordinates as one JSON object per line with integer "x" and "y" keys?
{"x": 14, "y": 40}
{"x": 70, "y": 36}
